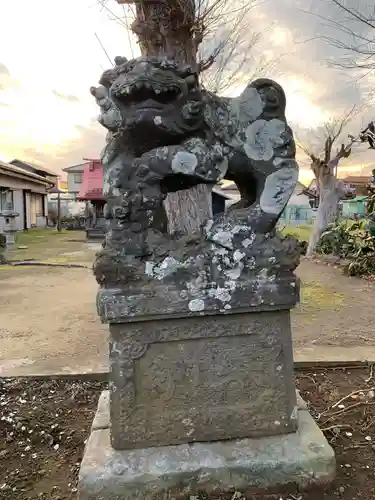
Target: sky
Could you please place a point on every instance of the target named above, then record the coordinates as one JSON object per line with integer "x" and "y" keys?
{"x": 50, "y": 56}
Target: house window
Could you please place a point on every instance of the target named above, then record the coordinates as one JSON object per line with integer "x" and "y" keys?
{"x": 6, "y": 197}
{"x": 78, "y": 178}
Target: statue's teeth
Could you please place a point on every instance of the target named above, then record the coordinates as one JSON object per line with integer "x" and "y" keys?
{"x": 157, "y": 91}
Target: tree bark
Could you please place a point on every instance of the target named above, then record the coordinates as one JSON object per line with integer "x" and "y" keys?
{"x": 188, "y": 210}
{"x": 168, "y": 28}
{"x": 331, "y": 191}
{"x": 329, "y": 198}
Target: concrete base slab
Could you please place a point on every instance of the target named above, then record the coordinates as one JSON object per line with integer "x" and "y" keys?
{"x": 303, "y": 458}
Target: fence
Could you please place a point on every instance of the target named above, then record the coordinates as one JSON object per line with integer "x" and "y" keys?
{"x": 295, "y": 215}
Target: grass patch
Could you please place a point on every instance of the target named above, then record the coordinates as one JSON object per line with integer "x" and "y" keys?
{"x": 316, "y": 297}
{"x": 6, "y": 267}
{"x": 37, "y": 235}
{"x": 42, "y": 243}
{"x": 302, "y": 231}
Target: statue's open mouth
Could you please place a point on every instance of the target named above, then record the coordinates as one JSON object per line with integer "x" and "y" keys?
{"x": 151, "y": 95}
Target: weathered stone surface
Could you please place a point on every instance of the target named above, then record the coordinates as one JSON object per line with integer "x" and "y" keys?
{"x": 166, "y": 133}
{"x": 303, "y": 457}
{"x": 121, "y": 305}
{"x": 202, "y": 378}
{"x": 102, "y": 415}
{"x": 101, "y": 420}
{"x": 238, "y": 270}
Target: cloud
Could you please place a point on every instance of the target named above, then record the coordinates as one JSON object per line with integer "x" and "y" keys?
{"x": 90, "y": 142}
{"x": 295, "y": 43}
{"x": 66, "y": 97}
{"x": 6, "y": 80}
{"x": 4, "y": 70}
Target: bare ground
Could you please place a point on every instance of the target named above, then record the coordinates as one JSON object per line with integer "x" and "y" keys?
{"x": 49, "y": 324}
{"x": 336, "y": 317}
{"x": 44, "y": 425}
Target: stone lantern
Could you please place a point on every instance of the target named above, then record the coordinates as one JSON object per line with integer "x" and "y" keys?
{"x": 10, "y": 224}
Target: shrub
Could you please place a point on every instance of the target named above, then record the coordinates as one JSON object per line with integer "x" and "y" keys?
{"x": 350, "y": 240}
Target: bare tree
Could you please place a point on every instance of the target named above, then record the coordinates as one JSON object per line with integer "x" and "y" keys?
{"x": 356, "y": 38}
{"x": 177, "y": 28}
{"x": 225, "y": 38}
{"x": 324, "y": 166}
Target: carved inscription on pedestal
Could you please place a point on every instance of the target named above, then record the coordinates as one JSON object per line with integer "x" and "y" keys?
{"x": 199, "y": 389}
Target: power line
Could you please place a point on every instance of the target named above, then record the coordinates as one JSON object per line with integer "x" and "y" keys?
{"x": 102, "y": 46}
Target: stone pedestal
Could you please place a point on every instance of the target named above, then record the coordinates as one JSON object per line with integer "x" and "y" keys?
{"x": 201, "y": 378}
{"x": 202, "y": 394}
{"x": 302, "y": 458}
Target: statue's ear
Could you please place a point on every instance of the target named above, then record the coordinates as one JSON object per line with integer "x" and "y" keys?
{"x": 273, "y": 97}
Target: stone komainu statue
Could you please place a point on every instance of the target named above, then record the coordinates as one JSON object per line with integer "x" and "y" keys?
{"x": 166, "y": 133}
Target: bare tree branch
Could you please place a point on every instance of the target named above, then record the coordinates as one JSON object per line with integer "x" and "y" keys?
{"x": 354, "y": 13}
{"x": 327, "y": 135}
{"x": 225, "y": 30}
{"x": 362, "y": 46}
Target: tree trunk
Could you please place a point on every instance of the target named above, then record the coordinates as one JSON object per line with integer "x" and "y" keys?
{"x": 167, "y": 28}
{"x": 329, "y": 197}
{"x": 188, "y": 210}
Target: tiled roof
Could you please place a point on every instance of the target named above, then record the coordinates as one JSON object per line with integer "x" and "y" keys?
{"x": 357, "y": 179}
{"x": 9, "y": 168}
{"x": 19, "y": 163}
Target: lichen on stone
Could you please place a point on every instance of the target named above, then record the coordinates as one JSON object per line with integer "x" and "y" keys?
{"x": 194, "y": 137}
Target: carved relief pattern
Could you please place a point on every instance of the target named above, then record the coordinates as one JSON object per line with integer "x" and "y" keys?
{"x": 122, "y": 359}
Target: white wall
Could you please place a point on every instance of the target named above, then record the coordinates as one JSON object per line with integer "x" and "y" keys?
{"x": 74, "y": 187}
{"x": 17, "y": 186}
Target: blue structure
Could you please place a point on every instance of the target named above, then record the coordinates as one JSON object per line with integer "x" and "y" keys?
{"x": 355, "y": 207}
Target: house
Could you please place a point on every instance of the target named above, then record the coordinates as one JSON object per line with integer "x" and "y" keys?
{"x": 354, "y": 208}
{"x": 63, "y": 185}
{"x": 91, "y": 192}
{"x": 299, "y": 209}
{"x": 357, "y": 183}
{"x": 49, "y": 175}
{"x": 224, "y": 194}
{"x": 301, "y": 206}
{"x": 26, "y": 191}
{"x": 75, "y": 177}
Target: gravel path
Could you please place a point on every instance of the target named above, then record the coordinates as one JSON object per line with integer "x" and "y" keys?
{"x": 336, "y": 317}
{"x": 49, "y": 324}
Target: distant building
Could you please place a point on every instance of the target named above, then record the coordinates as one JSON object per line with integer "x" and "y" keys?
{"x": 48, "y": 174}
{"x": 357, "y": 183}
{"x": 91, "y": 192}
{"x": 75, "y": 177}
{"x": 301, "y": 206}
{"x": 25, "y": 187}
{"x": 63, "y": 185}
{"x": 299, "y": 210}
{"x": 354, "y": 208}
{"x": 224, "y": 194}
